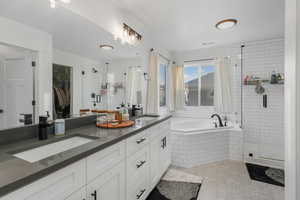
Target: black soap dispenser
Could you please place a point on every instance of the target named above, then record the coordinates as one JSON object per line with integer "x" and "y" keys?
{"x": 44, "y": 127}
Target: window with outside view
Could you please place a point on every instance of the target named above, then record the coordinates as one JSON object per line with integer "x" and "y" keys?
{"x": 199, "y": 84}
{"x": 162, "y": 84}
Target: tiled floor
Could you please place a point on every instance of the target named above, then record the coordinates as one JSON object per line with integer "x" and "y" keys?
{"x": 229, "y": 180}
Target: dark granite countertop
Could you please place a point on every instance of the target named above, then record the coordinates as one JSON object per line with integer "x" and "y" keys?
{"x": 16, "y": 173}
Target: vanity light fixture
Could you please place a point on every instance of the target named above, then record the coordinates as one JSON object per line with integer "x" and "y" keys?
{"x": 54, "y": 2}
{"x": 129, "y": 36}
{"x": 106, "y": 47}
{"x": 226, "y": 24}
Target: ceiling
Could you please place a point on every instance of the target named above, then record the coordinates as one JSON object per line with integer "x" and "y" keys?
{"x": 70, "y": 32}
{"x": 179, "y": 25}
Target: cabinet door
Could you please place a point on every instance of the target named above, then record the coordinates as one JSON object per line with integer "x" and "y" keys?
{"x": 160, "y": 157}
{"x": 155, "y": 150}
{"x": 108, "y": 186}
{"x": 79, "y": 195}
{"x": 165, "y": 153}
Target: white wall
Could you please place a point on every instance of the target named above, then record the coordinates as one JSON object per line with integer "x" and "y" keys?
{"x": 14, "y": 33}
{"x": 83, "y": 85}
{"x": 292, "y": 99}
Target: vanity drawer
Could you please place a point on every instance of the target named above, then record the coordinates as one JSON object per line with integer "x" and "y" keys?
{"x": 137, "y": 142}
{"x": 104, "y": 160}
{"x": 139, "y": 190}
{"x": 158, "y": 129}
{"x": 138, "y": 166}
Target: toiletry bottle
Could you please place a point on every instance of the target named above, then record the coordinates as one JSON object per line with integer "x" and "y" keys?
{"x": 273, "y": 77}
{"x": 45, "y": 127}
{"x": 59, "y": 127}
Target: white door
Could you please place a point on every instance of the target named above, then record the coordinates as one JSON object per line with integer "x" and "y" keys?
{"x": 18, "y": 90}
{"x": 109, "y": 186}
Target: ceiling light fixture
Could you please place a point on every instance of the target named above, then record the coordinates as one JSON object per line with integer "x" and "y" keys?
{"x": 226, "y": 24}
{"x": 106, "y": 47}
{"x": 54, "y": 2}
{"x": 129, "y": 35}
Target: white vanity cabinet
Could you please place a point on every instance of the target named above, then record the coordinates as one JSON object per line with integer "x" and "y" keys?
{"x": 128, "y": 170}
{"x": 160, "y": 157}
{"x": 108, "y": 186}
{"x": 78, "y": 195}
{"x": 58, "y": 185}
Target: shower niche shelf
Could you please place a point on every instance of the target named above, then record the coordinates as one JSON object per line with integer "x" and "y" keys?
{"x": 254, "y": 82}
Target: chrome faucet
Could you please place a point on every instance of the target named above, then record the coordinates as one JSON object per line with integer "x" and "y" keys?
{"x": 219, "y": 118}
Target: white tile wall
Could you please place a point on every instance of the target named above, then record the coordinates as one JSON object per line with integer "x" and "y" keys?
{"x": 203, "y": 148}
{"x": 264, "y": 127}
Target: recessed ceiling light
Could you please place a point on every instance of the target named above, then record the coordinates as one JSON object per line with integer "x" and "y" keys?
{"x": 226, "y": 24}
{"x": 106, "y": 47}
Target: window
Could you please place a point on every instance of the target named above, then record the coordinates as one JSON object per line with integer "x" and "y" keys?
{"x": 162, "y": 84}
{"x": 199, "y": 84}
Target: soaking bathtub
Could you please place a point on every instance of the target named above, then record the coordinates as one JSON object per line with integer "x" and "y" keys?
{"x": 197, "y": 141}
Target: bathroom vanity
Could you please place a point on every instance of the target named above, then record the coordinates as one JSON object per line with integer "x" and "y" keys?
{"x": 108, "y": 165}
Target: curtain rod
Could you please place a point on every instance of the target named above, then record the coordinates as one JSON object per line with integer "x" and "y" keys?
{"x": 164, "y": 57}
{"x": 199, "y": 60}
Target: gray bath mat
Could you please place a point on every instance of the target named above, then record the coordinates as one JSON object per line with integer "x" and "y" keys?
{"x": 276, "y": 174}
{"x": 266, "y": 174}
{"x": 174, "y": 190}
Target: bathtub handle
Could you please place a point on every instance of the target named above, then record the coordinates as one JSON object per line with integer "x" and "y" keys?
{"x": 216, "y": 125}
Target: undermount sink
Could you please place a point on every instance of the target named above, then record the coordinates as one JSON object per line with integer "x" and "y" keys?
{"x": 48, "y": 150}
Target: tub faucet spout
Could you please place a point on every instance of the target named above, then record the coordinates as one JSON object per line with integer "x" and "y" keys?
{"x": 219, "y": 118}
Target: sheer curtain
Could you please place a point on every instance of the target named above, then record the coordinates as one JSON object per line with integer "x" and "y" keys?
{"x": 178, "y": 87}
{"x": 133, "y": 84}
{"x": 171, "y": 89}
{"x": 152, "y": 104}
{"x": 223, "y": 86}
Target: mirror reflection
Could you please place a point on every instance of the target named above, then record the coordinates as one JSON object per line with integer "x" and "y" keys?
{"x": 17, "y": 68}
{"x": 59, "y": 75}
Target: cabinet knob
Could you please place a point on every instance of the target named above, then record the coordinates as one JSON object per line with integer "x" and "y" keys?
{"x": 94, "y": 194}
{"x": 138, "y": 196}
